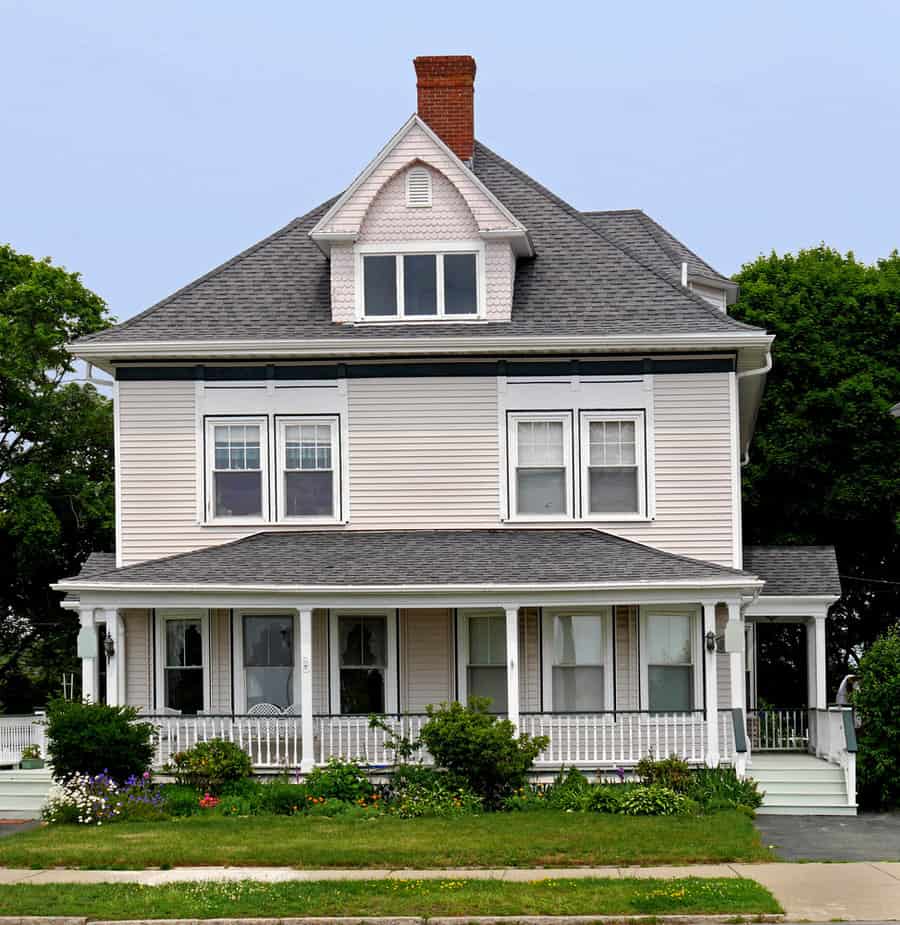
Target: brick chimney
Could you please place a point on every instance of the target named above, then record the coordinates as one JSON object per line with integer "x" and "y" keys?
{"x": 446, "y": 99}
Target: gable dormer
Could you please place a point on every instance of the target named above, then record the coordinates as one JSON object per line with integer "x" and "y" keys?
{"x": 417, "y": 236}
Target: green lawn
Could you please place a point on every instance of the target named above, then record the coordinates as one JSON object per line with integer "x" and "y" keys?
{"x": 544, "y": 838}
{"x": 389, "y": 897}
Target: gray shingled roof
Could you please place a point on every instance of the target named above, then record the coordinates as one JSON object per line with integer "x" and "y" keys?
{"x": 422, "y": 557}
{"x": 96, "y": 564}
{"x": 581, "y": 281}
{"x": 794, "y": 569}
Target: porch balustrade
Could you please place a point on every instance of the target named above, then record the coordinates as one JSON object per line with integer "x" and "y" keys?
{"x": 779, "y": 729}
{"x": 17, "y": 732}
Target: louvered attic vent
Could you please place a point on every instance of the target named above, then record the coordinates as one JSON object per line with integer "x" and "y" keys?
{"x": 418, "y": 188}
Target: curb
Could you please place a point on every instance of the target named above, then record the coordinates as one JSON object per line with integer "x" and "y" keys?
{"x": 730, "y": 919}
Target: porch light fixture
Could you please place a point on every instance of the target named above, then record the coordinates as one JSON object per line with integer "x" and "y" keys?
{"x": 109, "y": 647}
{"x": 710, "y": 641}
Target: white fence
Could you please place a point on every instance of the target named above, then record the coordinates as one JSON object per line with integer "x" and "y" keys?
{"x": 16, "y": 732}
{"x": 782, "y": 729}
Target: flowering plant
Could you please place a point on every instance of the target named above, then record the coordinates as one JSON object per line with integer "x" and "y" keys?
{"x": 208, "y": 801}
{"x": 92, "y": 799}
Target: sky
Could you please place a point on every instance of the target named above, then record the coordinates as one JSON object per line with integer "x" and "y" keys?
{"x": 141, "y": 144}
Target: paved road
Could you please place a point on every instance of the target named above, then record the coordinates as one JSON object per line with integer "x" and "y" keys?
{"x": 867, "y": 837}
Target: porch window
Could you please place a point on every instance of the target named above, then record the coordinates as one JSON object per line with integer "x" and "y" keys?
{"x": 236, "y": 480}
{"x": 183, "y": 671}
{"x": 578, "y": 663}
{"x": 309, "y": 481}
{"x": 269, "y": 659}
{"x": 486, "y": 672}
{"x": 670, "y": 668}
{"x": 612, "y": 451}
{"x": 363, "y": 649}
{"x": 540, "y": 465}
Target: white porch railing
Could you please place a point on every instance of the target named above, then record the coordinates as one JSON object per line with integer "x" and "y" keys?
{"x": 353, "y": 737}
{"x": 18, "y": 731}
{"x": 781, "y": 729}
{"x": 834, "y": 739}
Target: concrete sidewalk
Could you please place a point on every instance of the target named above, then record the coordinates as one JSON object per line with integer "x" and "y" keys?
{"x": 814, "y": 892}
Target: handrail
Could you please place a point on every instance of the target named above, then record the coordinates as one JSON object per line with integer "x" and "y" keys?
{"x": 849, "y": 731}
{"x": 740, "y": 736}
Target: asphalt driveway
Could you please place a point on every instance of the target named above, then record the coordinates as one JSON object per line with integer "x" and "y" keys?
{"x": 866, "y": 837}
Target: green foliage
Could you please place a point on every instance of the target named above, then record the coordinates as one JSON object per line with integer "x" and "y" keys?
{"x": 671, "y": 772}
{"x": 481, "y": 749}
{"x": 209, "y": 766}
{"x": 720, "y": 788}
{"x": 654, "y": 801}
{"x": 570, "y": 790}
{"x": 877, "y": 698}
{"x": 416, "y": 791}
{"x": 606, "y": 798}
{"x": 56, "y": 471}
{"x": 92, "y": 738}
{"x": 180, "y": 800}
{"x": 823, "y": 465}
{"x": 339, "y": 780}
{"x": 283, "y": 799}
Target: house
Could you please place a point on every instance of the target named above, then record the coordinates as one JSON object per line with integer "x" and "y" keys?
{"x": 446, "y": 435}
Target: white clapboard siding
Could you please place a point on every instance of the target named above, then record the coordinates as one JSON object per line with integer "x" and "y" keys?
{"x": 529, "y": 660}
{"x": 138, "y": 659}
{"x": 426, "y": 658}
{"x": 220, "y": 655}
{"x": 320, "y": 664}
{"x": 628, "y": 678}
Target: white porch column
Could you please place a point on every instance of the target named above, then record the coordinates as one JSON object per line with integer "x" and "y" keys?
{"x": 512, "y": 665}
{"x": 115, "y": 668}
{"x": 307, "y": 743}
{"x": 712, "y": 692}
{"x": 815, "y": 651}
{"x": 89, "y": 665}
{"x": 738, "y": 677}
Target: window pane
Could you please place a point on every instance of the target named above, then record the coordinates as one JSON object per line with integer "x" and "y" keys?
{"x": 183, "y": 643}
{"x": 308, "y": 494}
{"x": 268, "y": 641}
{"x": 612, "y": 443}
{"x": 460, "y": 296}
{"x": 578, "y": 688}
{"x": 541, "y": 491}
{"x": 540, "y": 443}
{"x": 184, "y": 689}
{"x": 362, "y": 690}
{"x": 420, "y": 284}
{"x": 270, "y": 685}
{"x": 491, "y": 683}
{"x": 238, "y": 494}
{"x": 363, "y": 641}
{"x": 670, "y": 688}
{"x": 380, "y": 285}
{"x": 487, "y": 640}
{"x": 613, "y": 490}
{"x": 578, "y": 640}
{"x": 668, "y": 639}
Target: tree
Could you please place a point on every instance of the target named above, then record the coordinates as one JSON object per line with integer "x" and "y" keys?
{"x": 56, "y": 471}
{"x": 824, "y": 461}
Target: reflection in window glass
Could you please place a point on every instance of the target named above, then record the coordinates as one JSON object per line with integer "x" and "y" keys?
{"x": 540, "y": 472}
{"x": 237, "y": 475}
{"x": 420, "y": 284}
{"x": 612, "y": 468}
{"x": 670, "y": 671}
{"x": 184, "y": 666}
{"x": 269, "y": 659}
{"x": 460, "y": 294}
{"x": 309, "y": 474}
{"x": 362, "y": 648}
{"x": 486, "y": 671}
{"x": 380, "y": 285}
{"x": 578, "y": 663}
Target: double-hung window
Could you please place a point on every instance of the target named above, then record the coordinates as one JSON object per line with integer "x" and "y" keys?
{"x": 612, "y": 465}
{"x": 363, "y": 663}
{"x": 309, "y": 469}
{"x": 579, "y": 656}
{"x": 540, "y": 479}
{"x": 183, "y": 667}
{"x": 669, "y": 643}
{"x": 486, "y": 669}
{"x": 421, "y": 285}
{"x": 237, "y": 481}
{"x": 268, "y": 647}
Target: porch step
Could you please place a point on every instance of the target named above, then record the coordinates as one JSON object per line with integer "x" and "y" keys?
{"x": 800, "y": 785}
{"x": 788, "y": 787}
{"x": 23, "y": 793}
{"x": 806, "y": 810}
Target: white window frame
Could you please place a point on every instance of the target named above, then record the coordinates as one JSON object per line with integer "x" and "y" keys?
{"x": 237, "y": 633}
{"x": 163, "y": 615}
{"x": 547, "y": 654}
{"x": 281, "y": 425}
{"x": 261, "y": 421}
{"x": 462, "y": 648}
{"x": 437, "y": 249}
{"x": 696, "y": 614}
{"x": 513, "y": 419}
{"x": 391, "y": 678}
{"x": 638, "y": 418}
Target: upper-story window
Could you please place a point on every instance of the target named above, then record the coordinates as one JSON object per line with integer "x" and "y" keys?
{"x": 436, "y": 281}
{"x": 540, "y": 449}
{"x": 236, "y": 469}
{"x": 612, "y": 464}
{"x": 309, "y": 473}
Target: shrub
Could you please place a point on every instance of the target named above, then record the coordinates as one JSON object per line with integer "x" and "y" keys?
{"x": 329, "y": 806}
{"x": 671, "y": 772}
{"x": 526, "y": 799}
{"x": 339, "y": 780}
{"x": 569, "y": 791}
{"x": 93, "y": 738}
{"x": 721, "y": 788}
{"x": 653, "y": 801}
{"x": 94, "y": 799}
{"x": 480, "y": 749}
{"x": 606, "y": 799}
{"x": 416, "y": 791}
{"x": 179, "y": 800}
{"x": 282, "y": 799}
{"x": 210, "y": 766}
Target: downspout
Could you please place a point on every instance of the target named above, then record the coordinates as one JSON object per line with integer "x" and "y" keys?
{"x": 746, "y": 374}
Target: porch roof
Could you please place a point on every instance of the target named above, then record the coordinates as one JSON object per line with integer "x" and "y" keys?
{"x": 416, "y": 558}
{"x": 795, "y": 570}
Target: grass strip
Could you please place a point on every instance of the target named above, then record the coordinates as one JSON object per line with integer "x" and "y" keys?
{"x": 390, "y": 897}
{"x": 545, "y": 838}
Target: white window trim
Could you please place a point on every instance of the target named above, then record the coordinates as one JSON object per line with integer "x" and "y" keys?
{"x": 606, "y": 612}
{"x": 281, "y": 423}
{"x": 429, "y": 248}
{"x": 696, "y": 614}
{"x": 163, "y": 615}
{"x": 261, "y": 421}
{"x": 638, "y": 418}
{"x": 237, "y": 633}
{"x": 462, "y": 648}
{"x": 391, "y": 676}
{"x": 513, "y": 419}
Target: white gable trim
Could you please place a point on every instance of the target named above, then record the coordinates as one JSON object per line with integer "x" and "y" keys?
{"x": 517, "y": 233}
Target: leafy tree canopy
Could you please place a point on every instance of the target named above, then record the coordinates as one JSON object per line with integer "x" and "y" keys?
{"x": 56, "y": 470}
{"x": 824, "y": 462}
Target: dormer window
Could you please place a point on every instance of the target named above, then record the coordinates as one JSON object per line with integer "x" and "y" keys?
{"x": 418, "y": 188}
{"x": 422, "y": 283}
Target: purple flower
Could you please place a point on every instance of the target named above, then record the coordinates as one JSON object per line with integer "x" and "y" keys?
{"x": 621, "y": 773}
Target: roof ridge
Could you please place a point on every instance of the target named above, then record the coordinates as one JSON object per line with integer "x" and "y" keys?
{"x": 232, "y": 261}
{"x": 581, "y": 219}
{"x": 662, "y": 236}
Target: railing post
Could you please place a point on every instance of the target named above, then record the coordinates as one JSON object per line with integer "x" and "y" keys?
{"x": 815, "y": 641}
{"x": 307, "y": 743}
{"x": 712, "y": 691}
{"x": 512, "y": 665}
